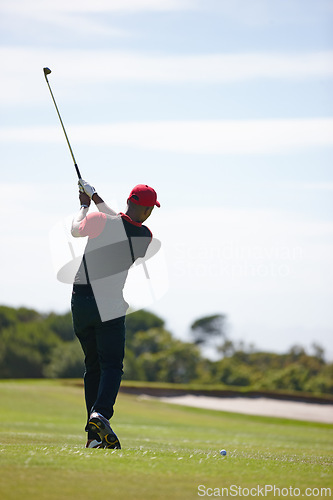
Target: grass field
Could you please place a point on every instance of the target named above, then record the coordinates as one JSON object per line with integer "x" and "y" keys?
{"x": 167, "y": 451}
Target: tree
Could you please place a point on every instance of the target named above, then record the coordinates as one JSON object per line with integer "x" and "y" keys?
{"x": 152, "y": 341}
{"x": 227, "y": 348}
{"x": 156, "y": 356}
{"x": 296, "y": 352}
{"x": 61, "y": 324}
{"x": 179, "y": 363}
{"x": 66, "y": 361}
{"x": 141, "y": 321}
{"x": 318, "y": 351}
{"x": 10, "y": 316}
{"x": 25, "y": 348}
{"x": 209, "y": 330}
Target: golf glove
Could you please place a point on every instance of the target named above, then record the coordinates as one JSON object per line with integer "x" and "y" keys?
{"x": 87, "y": 188}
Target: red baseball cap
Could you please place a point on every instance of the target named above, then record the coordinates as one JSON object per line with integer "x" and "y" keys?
{"x": 144, "y": 195}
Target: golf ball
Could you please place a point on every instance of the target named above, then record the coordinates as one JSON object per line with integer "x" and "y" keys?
{"x": 223, "y": 453}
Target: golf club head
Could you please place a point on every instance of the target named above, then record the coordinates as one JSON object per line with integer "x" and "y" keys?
{"x": 47, "y": 71}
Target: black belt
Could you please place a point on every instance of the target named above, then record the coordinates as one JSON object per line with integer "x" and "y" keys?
{"x": 82, "y": 290}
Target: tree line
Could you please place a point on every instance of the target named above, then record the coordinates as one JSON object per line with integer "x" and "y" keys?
{"x": 36, "y": 345}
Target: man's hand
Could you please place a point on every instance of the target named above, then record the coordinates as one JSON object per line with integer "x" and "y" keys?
{"x": 84, "y": 198}
{"x": 87, "y": 188}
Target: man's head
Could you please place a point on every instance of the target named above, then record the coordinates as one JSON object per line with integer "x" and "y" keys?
{"x": 144, "y": 195}
{"x": 141, "y": 202}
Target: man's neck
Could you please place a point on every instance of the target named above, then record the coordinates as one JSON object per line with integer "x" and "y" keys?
{"x": 132, "y": 215}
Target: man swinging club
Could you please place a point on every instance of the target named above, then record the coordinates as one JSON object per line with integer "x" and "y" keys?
{"x": 115, "y": 241}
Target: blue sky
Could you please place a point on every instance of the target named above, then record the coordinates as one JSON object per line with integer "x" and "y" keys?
{"x": 224, "y": 107}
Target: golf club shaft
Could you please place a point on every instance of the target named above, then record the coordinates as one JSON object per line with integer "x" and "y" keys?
{"x": 75, "y": 164}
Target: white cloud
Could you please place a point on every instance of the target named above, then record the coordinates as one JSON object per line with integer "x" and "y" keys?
{"x": 84, "y": 6}
{"x": 77, "y": 17}
{"x": 207, "y": 137}
{"x": 208, "y": 68}
{"x": 79, "y": 24}
{"x": 21, "y": 69}
{"x": 309, "y": 186}
{"x": 271, "y": 13}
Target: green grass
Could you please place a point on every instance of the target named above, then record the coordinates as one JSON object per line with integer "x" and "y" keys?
{"x": 224, "y": 390}
{"x": 168, "y": 451}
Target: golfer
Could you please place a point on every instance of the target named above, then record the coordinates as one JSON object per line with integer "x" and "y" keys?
{"x": 115, "y": 241}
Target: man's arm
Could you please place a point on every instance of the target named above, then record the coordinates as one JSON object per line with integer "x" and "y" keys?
{"x": 85, "y": 203}
{"x": 102, "y": 206}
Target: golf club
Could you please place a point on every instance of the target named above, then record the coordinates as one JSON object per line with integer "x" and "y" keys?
{"x": 47, "y": 71}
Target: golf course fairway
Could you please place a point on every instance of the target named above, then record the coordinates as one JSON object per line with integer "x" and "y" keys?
{"x": 168, "y": 452}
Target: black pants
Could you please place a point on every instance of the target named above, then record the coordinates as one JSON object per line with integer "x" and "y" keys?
{"x": 103, "y": 344}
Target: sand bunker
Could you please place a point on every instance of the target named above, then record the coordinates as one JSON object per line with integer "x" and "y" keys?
{"x": 313, "y": 412}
